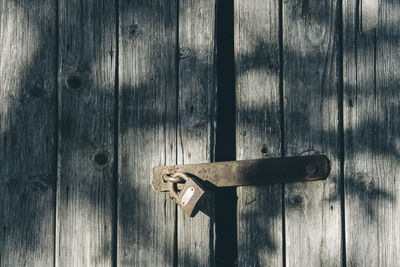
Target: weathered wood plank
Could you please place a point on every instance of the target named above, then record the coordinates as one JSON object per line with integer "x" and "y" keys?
{"x": 28, "y": 95}
{"x": 147, "y": 130}
{"x": 196, "y": 124}
{"x": 372, "y": 132}
{"x": 258, "y": 129}
{"x": 311, "y": 97}
{"x": 87, "y": 41}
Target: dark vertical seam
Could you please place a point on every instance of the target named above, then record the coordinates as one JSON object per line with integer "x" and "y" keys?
{"x": 375, "y": 51}
{"x": 178, "y": 57}
{"x": 57, "y": 133}
{"x": 282, "y": 126}
{"x": 226, "y": 245}
{"x": 114, "y": 234}
{"x": 360, "y": 12}
{"x": 356, "y": 31}
{"x": 375, "y": 116}
{"x": 175, "y": 246}
{"x": 213, "y": 99}
{"x": 341, "y": 128}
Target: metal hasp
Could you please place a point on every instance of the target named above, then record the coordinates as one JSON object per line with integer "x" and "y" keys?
{"x": 249, "y": 172}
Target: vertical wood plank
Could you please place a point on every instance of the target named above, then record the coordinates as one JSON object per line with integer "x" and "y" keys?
{"x": 369, "y": 13}
{"x": 258, "y": 129}
{"x": 311, "y": 114}
{"x": 196, "y": 125}
{"x": 372, "y": 134}
{"x": 27, "y": 132}
{"x": 87, "y": 40}
{"x": 147, "y": 130}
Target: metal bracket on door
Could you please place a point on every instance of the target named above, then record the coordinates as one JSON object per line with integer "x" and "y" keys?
{"x": 237, "y": 173}
{"x": 249, "y": 172}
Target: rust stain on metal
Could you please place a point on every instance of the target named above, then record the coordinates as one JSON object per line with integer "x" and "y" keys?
{"x": 249, "y": 172}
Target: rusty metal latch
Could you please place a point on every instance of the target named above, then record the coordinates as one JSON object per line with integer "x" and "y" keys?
{"x": 198, "y": 178}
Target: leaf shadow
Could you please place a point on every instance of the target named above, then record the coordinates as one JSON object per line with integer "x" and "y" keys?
{"x": 34, "y": 95}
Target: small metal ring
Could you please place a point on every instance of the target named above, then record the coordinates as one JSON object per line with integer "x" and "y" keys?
{"x": 173, "y": 179}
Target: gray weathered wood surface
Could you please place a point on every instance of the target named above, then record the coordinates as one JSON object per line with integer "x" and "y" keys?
{"x": 93, "y": 94}
{"x": 196, "y": 122}
{"x": 147, "y": 131}
{"x": 86, "y": 80}
{"x": 372, "y": 132}
{"x": 258, "y": 132}
{"x": 311, "y": 121}
{"x": 28, "y": 105}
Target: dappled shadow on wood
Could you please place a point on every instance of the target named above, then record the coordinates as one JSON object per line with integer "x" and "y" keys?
{"x": 34, "y": 186}
{"x": 27, "y": 134}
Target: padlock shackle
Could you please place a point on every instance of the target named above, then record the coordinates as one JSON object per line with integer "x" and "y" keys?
{"x": 171, "y": 184}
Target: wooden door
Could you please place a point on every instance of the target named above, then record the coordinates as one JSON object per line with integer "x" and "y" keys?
{"x": 319, "y": 77}
{"x": 94, "y": 94}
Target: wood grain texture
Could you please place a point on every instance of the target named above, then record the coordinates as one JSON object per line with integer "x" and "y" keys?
{"x": 258, "y": 129}
{"x": 87, "y": 40}
{"x": 372, "y": 134}
{"x": 311, "y": 121}
{"x": 27, "y": 132}
{"x": 147, "y": 130}
{"x": 196, "y": 123}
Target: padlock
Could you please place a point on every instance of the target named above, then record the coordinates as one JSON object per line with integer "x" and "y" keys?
{"x": 190, "y": 196}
